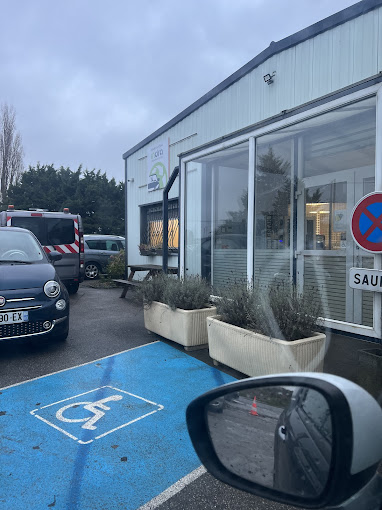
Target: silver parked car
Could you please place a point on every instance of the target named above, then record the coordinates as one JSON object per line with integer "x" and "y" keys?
{"x": 98, "y": 250}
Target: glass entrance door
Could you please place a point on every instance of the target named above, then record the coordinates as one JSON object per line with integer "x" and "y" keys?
{"x": 325, "y": 248}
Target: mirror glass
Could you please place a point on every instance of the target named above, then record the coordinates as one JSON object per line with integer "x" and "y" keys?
{"x": 277, "y": 436}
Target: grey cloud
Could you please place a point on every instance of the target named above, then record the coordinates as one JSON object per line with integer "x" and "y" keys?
{"x": 90, "y": 79}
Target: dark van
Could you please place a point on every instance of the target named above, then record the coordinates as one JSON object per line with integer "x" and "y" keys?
{"x": 59, "y": 231}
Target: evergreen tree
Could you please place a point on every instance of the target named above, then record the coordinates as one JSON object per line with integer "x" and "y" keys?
{"x": 100, "y": 202}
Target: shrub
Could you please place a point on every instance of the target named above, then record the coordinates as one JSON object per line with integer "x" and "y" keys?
{"x": 278, "y": 311}
{"x": 153, "y": 289}
{"x": 116, "y": 266}
{"x": 294, "y": 314}
{"x": 192, "y": 293}
{"x": 236, "y": 304}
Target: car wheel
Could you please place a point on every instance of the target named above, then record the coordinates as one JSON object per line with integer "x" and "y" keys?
{"x": 73, "y": 287}
{"x": 92, "y": 271}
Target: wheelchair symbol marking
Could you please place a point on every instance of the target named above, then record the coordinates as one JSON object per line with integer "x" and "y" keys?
{"x": 132, "y": 409}
{"x": 89, "y": 406}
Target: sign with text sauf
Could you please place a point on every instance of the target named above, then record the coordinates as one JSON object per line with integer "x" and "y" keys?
{"x": 365, "y": 279}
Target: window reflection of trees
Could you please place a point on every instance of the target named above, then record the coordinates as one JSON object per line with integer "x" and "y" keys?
{"x": 237, "y": 221}
{"x": 273, "y": 192}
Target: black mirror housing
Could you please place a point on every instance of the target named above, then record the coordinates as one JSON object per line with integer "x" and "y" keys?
{"x": 351, "y": 465}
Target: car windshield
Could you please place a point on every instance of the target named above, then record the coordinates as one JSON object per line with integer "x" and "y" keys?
{"x": 19, "y": 247}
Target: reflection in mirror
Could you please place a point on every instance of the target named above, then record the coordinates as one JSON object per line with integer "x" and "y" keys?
{"x": 277, "y": 436}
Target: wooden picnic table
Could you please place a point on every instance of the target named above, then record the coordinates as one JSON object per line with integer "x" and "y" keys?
{"x": 152, "y": 270}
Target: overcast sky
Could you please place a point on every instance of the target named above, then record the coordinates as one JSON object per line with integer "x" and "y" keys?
{"x": 89, "y": 78}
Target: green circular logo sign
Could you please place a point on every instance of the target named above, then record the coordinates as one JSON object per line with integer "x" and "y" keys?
{"x": 159, "y": 170}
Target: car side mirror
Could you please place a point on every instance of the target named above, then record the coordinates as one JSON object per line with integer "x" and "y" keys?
{"x": 309, "y": 440}
{"x": 54, "y": 256}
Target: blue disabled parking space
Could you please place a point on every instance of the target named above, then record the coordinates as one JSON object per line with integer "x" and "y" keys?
{"x": 108, "y": 434}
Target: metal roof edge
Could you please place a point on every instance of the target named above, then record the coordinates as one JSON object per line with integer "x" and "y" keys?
{"x": 351, "y": 12}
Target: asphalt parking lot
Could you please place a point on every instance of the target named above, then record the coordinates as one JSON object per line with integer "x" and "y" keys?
{"x": 134, "y": 456}
{"x": 101, "y": 324}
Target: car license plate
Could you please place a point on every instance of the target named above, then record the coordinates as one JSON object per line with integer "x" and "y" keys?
{"x": 13, "y": 317}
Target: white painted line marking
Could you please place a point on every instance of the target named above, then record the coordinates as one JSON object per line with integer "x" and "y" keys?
{"x": 174, "y": 489}
{"x": 70, "y": 398}
{"x": 55, "y": 427}
{"x": 130, "y": 422}
{"x": 91, "y": 391}
{"x": 77, "y": 366}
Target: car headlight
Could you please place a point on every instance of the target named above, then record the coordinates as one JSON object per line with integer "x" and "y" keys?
{"x": 52, "y": 289}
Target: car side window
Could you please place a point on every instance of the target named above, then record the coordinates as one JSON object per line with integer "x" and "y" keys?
{"x": 101, "y": 245}
{"x": 112, "y": 246}
{"x": 92, "y": 245}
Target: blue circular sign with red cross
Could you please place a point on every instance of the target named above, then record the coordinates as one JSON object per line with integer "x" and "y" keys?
{"x": 366, "y": 222}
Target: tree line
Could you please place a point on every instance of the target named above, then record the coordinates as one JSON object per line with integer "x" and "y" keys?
{"x": 91, "y": 194}
{"x": 98, "y": 200}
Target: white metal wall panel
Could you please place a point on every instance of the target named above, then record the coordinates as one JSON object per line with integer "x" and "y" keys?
{"x": 344, "y": 66}
{"x": 366, "y": 45}
{"x": 379, "y": 49}
{"x": 303, "y": 82}
{"x": 137, "y": 194}
{"x": 322, "y": 65}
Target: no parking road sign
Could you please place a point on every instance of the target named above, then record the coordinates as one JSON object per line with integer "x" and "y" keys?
{"x": 366, "y": 222}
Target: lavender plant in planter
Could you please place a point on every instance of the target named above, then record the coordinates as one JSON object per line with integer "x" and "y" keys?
{"x": 267, "y": 331}
{"x": 177, "y": 309}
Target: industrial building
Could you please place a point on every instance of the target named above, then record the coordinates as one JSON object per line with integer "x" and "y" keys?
{"x": 272, "y": 162}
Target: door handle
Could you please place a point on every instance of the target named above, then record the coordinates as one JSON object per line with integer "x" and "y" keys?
{"x": 282, "y": 432}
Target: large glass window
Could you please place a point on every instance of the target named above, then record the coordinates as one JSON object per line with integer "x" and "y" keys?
{"x": 60, "y": 231}
{"x": 49, "y": 231}
{"x": 34, "y": 224}
{"x": 309, "y": 176}
{"x": 216, "y": 216}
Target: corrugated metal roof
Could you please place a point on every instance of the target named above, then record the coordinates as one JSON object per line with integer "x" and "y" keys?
{"x": 331, "y": 22}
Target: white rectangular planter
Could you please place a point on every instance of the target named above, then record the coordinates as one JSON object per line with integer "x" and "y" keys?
{"x": 254, "y": 354}
{"x": 186, "y": 327}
